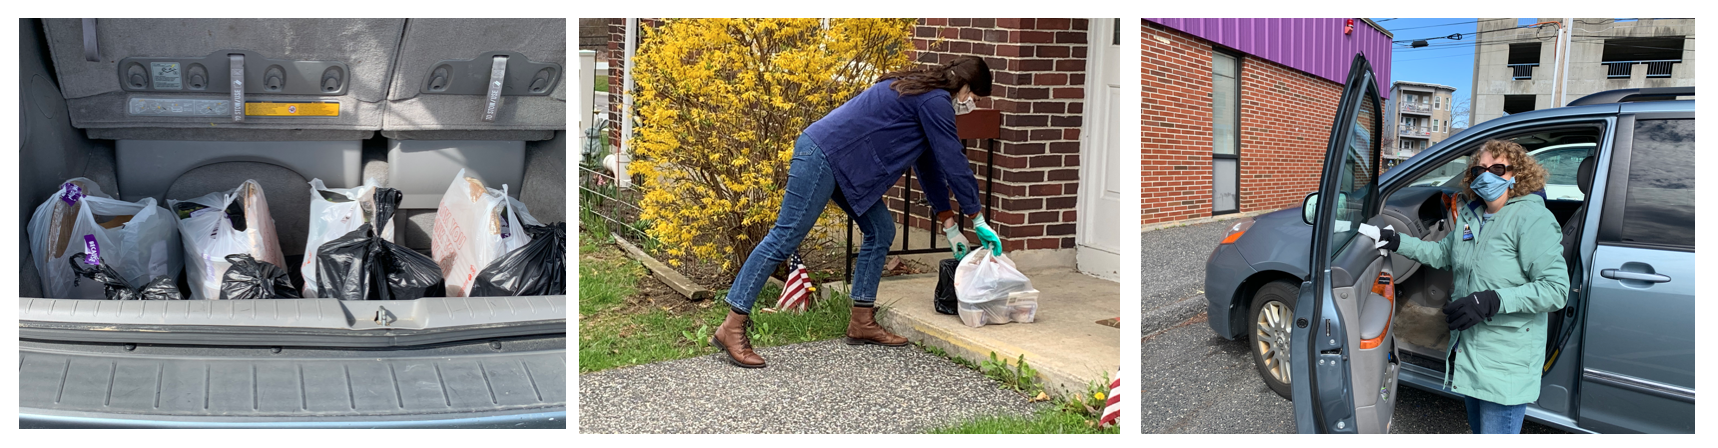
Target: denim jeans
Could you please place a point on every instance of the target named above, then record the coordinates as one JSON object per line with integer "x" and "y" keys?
{"x": 1484, "y": 417}
{"x": 810, "y": 186}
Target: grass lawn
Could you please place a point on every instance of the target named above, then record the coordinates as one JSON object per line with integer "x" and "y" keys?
{"x": 602, "y": 83}
{"x": 620, "y": 326}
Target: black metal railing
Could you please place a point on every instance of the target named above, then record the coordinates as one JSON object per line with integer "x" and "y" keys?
{"x": 1522, "y": 71}
{"x": 1660, "y": 68}
{"x": 990, "y": 120}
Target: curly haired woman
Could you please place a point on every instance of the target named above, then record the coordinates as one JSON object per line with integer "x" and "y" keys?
{"x": 1507, "y": 258}
{"x": 853, "y": 155}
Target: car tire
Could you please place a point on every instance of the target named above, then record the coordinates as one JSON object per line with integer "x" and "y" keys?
{"x": 1268, "y": 340}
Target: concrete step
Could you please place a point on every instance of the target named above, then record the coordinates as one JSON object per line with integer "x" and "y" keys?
{"x": 1065, "y": 343}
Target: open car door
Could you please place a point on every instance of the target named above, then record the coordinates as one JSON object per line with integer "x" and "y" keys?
{"x": 1342, "y": 355}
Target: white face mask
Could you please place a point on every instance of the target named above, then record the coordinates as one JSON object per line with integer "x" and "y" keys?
{"x": 962, "y": 107}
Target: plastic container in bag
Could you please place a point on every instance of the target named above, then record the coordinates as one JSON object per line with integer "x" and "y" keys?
{"x": 990, "y": 290}
{"x": 335, "y": 212}
{"x": 364, "y": 266}
{"x": 474, "y": 226}
{"x": 136, "y": 239}
{"x": 224, "y": 223}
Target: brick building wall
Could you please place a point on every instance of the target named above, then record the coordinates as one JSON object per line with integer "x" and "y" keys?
{"x": 1038, "y": 73}
{"x": 1285, "y": 121}
{"x": 1038, "y": 70}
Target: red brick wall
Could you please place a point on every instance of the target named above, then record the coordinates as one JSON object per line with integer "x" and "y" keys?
{"x": 1285, "y": 121}
{"x": 1285, "y": 129}
{"x": 1038, "y": 69}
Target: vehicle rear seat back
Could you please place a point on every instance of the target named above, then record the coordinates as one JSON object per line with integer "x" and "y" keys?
{"x": 536, "y": 50}
{"x": 149, "y": 167}
{"x": 441, "y": 118}
{"x": 1572, "y": 227}
{"x": 100, "y": 93}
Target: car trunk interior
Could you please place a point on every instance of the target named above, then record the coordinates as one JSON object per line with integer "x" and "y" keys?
{"x": 1422, "y": 336}
{"x": 411, "y": 114}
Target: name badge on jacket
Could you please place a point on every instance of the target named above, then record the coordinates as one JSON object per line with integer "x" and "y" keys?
{"x": 1466, "y": 233}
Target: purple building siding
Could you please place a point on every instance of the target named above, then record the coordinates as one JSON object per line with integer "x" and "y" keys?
{"x": 1315, "y": 46}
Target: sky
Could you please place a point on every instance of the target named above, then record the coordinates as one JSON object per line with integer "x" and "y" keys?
{"x": 1444, "y": 61}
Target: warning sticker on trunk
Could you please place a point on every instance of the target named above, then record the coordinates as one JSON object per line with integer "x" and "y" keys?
{"x": 165, "y": 75}
{"x": 318, "y": 109}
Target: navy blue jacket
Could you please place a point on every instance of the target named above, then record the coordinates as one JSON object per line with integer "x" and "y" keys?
{"x": 870, "y": 141}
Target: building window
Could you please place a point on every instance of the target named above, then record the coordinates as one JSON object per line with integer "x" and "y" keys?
{"x": 1522, "y": 58}
{"x": 1658, "y": 54}
{"x": 1437, "y": 102}
{"x": 1225, "y": 130}
{"x": 1434, "y": 125}
{"x": 1515, "y": 104}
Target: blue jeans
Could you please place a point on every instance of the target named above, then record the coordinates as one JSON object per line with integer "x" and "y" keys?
{"x": 810, "y": 186}
{"x": 1485, "y": 417}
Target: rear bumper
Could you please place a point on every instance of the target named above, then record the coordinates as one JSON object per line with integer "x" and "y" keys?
{"x": 1224, "y": 272}
{"x": 43, "y": 418}
{"x": 498, "y": 383}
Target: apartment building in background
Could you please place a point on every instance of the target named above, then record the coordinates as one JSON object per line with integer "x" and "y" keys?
{"x": 1514, "y": 68}
{"x": 1422, "y": 113}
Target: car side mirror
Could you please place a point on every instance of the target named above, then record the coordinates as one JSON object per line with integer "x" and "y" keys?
{"x": 1308, "y": 206}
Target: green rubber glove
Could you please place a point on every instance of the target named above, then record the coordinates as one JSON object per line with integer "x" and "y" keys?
{"x": 987, "y": 237}
{"x": 957, "y": 241}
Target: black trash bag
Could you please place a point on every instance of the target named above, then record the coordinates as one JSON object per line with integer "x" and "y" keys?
{"x": 251, "y": 279}
{"x": 162, "y": 288}
{"x": 361, "y": 265}
{"x": 945, "y": 300}
{"x": 538, "y": 269}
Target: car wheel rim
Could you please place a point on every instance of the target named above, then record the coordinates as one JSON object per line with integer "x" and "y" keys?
{"x": 1272, "y": 330}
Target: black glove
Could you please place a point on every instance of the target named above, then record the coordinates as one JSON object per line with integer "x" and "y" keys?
{"x": 1390, "y": 239}
{"x": 1464, "y": 313}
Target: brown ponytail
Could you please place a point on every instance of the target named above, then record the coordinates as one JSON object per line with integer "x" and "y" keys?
{"x": 964, "y": 71}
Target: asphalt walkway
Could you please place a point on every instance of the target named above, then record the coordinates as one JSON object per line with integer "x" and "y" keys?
{"x": 1172, "y": 272}
{"x": 815, "y": 387}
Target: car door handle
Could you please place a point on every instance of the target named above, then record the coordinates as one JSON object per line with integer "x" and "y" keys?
{"x": 1617, "y": 274}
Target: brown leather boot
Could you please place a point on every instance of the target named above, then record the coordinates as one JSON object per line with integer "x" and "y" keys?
{"x": 862, "y": 328}
{"x": 732, "y": 340}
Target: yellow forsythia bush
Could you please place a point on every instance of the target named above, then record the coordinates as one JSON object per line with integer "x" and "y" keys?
{"x": 720, "y": 103}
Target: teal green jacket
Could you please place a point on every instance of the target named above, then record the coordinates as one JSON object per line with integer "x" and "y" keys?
{"x": 1519, "y": 254}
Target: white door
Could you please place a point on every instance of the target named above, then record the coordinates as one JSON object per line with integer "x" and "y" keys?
{"x": 1099, "y": 207}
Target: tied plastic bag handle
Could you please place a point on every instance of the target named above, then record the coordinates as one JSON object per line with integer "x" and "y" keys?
{"x": 387, "y": 203}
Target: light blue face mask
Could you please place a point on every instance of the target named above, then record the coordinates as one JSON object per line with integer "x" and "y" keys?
{"x": 1491, "y": 186}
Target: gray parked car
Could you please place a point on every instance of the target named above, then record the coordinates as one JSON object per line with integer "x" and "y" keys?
{"x": 1620, "y": 357}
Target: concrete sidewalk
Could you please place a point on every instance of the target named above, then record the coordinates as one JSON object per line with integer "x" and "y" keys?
{"x": 1065, "y": 344}
{"x": 815, "y": 387}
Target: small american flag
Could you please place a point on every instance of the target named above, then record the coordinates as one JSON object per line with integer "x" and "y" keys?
{"x": 1112, "y": 406}
{"x": 796, "y": 292}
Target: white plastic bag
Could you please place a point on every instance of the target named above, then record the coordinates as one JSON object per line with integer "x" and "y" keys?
{"x": 210, "y": 236}
{"x": 335, "y": 212}
{"x": 473, "y": 226}
{"x": 990, "y": 290}
{"x": 137, "y": 239}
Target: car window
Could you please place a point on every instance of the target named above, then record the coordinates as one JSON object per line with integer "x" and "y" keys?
{"x": 1659, "y": 208}
{"x": 1561, "y": 167}
{"x": 1443, "y": 175}
{"x": 1358, "y": 176}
